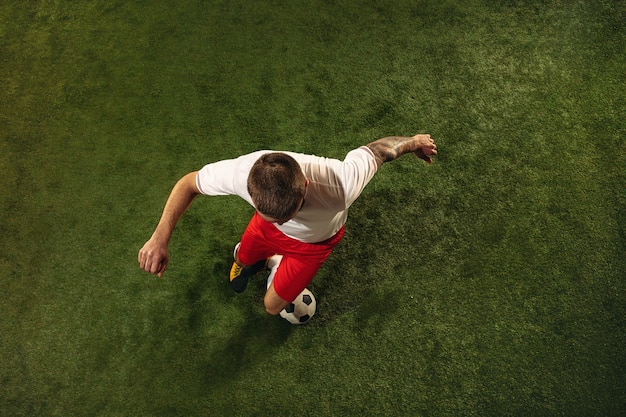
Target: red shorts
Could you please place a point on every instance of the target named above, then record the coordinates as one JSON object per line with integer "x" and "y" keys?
{"x": 300, "y": 262}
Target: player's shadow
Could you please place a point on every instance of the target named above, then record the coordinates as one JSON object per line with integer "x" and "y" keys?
{"x": 250, "y": 344}
{"x": 250, "y": 341}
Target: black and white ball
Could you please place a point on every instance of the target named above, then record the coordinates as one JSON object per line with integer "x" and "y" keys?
{"x": 301, "y": 309}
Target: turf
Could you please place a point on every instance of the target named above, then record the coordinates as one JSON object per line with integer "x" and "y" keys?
{"x": 490, "y": 283}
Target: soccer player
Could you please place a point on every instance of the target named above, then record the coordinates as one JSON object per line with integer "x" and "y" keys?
{"x": 301, "y": 204}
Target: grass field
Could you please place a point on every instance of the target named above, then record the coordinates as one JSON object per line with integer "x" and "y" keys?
{"x": 490, "y": 283}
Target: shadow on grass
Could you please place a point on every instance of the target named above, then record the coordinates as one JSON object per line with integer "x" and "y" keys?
{"x": 242, "y": 343}
{"x": 252, "y": 343}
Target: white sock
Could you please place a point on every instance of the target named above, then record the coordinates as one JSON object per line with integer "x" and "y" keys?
{"x": 273, "y": 264}
{"x": 236, "y": 250}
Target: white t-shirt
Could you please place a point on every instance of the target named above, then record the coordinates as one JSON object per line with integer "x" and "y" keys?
{"x": 333, "y": 186}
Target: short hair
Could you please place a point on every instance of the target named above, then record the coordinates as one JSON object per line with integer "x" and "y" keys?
{"x": 276, "y": 185}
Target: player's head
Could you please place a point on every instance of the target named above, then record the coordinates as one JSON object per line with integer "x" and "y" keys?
{"x": 277, "y": 185}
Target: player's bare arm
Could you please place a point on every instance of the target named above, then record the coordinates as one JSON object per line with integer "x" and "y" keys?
{"x": 153, "y": 256}
{"x": 389, "y": 148}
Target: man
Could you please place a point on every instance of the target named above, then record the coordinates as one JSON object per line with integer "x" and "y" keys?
{"x": 301, "y": 204}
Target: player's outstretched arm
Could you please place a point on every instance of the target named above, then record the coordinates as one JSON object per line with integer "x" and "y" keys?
{"x": 153, "y": 256}
{"x": 389, "y": 148}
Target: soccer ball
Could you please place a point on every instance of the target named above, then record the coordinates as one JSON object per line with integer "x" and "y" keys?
{"x": 300, "y": 310}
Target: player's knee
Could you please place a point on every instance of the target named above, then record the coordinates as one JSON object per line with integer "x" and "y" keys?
{"x": 272, "y": 310}
{"x": 273, "y": 304}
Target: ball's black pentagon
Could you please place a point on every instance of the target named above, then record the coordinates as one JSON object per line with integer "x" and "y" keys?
{"x": 290, "y": 308}
{"x": 304, "y": 319}
{"x": 306, "y": 299}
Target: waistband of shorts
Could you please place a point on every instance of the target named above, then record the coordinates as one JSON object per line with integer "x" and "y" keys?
{"x": 333, "y": 238}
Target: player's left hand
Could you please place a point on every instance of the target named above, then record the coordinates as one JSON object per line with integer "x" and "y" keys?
{"x": 426, "y": 147}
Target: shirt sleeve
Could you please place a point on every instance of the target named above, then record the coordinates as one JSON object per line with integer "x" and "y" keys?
{"x": 227, "y": 177}
{"x": 357, "y": 169}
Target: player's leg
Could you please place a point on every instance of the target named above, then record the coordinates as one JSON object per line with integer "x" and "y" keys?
{"x": 274, "y": 303}
{"x": 291, "y": 272}
{"x": 272, "y": 264}
{"x": 241, "y": 273}
{"x": 294, "y": 274}
{"x": 249, "y": 257}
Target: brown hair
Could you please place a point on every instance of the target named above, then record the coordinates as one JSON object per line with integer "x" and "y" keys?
{"x": 277, "y": 185}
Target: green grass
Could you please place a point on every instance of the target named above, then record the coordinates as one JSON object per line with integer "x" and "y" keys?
{"x": 490, "y": 283}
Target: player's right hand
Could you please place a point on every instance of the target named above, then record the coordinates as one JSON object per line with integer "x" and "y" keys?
{"x": 153, "y": 257}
